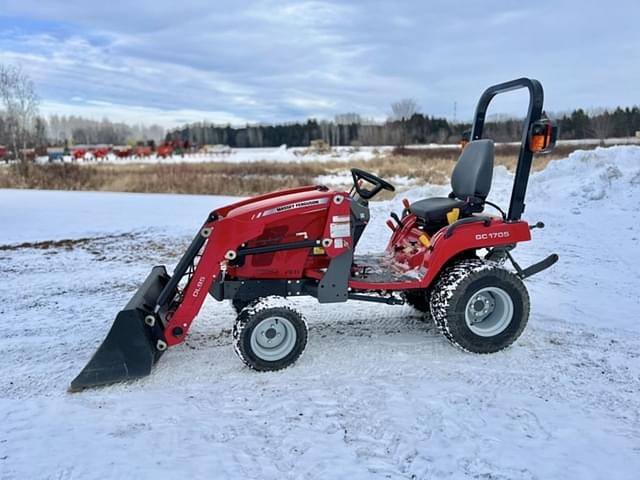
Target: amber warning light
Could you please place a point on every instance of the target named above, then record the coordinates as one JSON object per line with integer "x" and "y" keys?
{"x": 543, "y": 136}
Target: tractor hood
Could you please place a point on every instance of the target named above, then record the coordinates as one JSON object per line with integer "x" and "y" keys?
{"x": 299, "y": 199}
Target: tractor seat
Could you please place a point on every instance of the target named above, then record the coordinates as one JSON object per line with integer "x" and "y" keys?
{"x": 435, "y": 209}
{"x": 470, "y": 185}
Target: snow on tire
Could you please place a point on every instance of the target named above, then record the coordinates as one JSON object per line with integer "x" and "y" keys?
{"x": 479, "y": 306}
{"x": 269, "y": 334}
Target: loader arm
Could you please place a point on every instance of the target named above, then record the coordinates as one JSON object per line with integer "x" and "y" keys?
{"x": 222, "y": 237}
{"x": 161, "y": 312}
{"x": 163, "y": 308}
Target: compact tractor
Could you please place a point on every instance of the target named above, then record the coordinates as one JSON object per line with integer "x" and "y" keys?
{"x": 446, "y": 257}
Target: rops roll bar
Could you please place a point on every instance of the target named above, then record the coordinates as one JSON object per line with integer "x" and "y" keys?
{"x": 536, "y": 99}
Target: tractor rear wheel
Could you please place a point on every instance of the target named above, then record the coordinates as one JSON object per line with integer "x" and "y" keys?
{"x": 269, "y": 334}
{"x": 479, "y": 306}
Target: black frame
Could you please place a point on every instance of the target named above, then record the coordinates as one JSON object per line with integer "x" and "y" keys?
{"x": 525, "y": 157}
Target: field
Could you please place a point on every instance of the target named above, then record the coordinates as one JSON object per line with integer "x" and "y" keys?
{"x": 378, "y": 393}
{"x": 254, "y": 171}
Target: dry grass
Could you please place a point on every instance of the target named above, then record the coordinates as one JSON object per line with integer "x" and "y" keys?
{"x": 432, "y": 165}
{"x": 205, "y": 178}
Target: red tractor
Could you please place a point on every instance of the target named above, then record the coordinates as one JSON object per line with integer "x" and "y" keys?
{"x": 164, "y": 151}
{"x": 143, "y": 151}
{"x": 100, "y": 153}
{"x": 445, "y": 256}
{"x": 79, "y": 153}
{"x": 123, "y": 151}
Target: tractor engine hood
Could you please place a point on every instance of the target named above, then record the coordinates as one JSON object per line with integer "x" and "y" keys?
{"x": 304, "y": 199}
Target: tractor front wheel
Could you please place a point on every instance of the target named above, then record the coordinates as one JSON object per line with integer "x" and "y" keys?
{"x": 479, "y": 306}
{"x": 238, "y": 305}
{"x": 269, "y": 334}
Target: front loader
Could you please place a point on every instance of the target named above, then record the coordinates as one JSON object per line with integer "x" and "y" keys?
{"x": 445, "y": 256}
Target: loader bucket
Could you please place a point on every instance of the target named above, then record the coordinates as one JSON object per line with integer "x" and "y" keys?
{"x": 129, "y": 351}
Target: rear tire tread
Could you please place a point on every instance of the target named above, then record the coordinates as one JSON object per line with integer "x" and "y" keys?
{"x": 453, "y": 281}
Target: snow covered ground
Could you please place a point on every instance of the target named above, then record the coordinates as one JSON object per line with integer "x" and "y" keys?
{"x": 304, "y": 154}
{"x": 378, "y": 393}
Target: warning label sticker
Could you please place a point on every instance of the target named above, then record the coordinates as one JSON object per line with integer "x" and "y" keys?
{"x": 338, "y": 230}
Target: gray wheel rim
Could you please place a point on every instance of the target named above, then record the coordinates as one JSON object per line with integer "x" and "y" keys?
{"x": 273, "y": 339}
{"x": 489, "y": 311}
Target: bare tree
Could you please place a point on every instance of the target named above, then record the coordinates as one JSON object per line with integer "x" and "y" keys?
{"x": 40, "y": 132}
{"x": 20, "y": 105}
{"x": 347, "y": 119}
{"x": 402, "y": 111}
{"x": 601, "y": 125}
{"x": 442, "y": 135}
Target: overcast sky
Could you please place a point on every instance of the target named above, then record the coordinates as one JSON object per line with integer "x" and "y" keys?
{"x": 171, "y": 62}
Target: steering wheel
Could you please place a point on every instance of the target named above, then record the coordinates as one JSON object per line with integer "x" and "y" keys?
{"x": 377, "y": 182}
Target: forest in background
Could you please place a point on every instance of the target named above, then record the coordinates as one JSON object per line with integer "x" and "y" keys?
{"x": 418, "y": 128}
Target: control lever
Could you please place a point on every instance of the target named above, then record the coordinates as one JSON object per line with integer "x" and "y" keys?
{"x": 394, "y": 215}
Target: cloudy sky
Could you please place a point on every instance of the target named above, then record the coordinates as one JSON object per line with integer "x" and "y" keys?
{"x": 171, "y": 62}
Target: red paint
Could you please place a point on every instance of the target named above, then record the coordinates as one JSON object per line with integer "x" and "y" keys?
{"x": 123, "y": 152}
{"x": 100, "y": 152}
{"x": 143, "y": 151}
{"x": 79, "y": 153}
{"x": 164, "y": 151}
{"x": 307, "y": 213}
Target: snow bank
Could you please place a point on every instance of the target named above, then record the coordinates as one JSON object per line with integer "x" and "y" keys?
{"x": 607, "y": 174}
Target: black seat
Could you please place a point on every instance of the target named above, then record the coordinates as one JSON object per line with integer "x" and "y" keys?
{"x": 470, "y": 185}
{"x": 435, "y": 209}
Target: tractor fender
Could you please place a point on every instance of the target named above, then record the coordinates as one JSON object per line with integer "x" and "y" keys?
{"x": 468, "y": 237}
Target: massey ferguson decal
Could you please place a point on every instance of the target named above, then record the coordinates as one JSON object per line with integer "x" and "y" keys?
{"x": 291, "y": 206}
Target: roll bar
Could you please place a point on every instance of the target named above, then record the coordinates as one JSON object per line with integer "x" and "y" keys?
{"x": 536, "y": 99}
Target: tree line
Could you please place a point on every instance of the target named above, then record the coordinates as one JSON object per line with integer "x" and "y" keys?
{"x": 63, "y": 129}
{"x": 23, "y": 128}
{"x": 418, "y": 128}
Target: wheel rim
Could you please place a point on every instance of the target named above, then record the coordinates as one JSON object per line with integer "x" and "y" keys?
{"x": 489, "y": 311}
{"x": 273, "y": 338}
